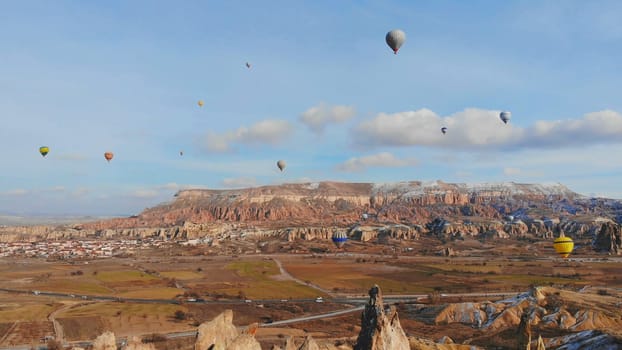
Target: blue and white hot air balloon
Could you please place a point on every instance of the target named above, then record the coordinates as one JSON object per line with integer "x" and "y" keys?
{"x": 339, "y": 238}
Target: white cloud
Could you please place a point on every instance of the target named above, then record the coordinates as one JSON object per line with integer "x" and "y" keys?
{"x": 472, "y": 127}
{"x": 56, "y": 189}
{"x": 269, "y": 131}
{"x": 511, "y": 171}
{"x": 160, "y": 192}
{"x": 519, "y": 172}
{"x": 463, "y": 173}
{"x": 16, "y": 192}
{"x": 482, "y": 129}
{"x": 144, "y": 193}
{"x": 239, "y": 182}
{"x": 316, "y": 118}
{"x": 80, "y": 192}
{"x": 172, "y": 186}
{"x": 383, "y": 159}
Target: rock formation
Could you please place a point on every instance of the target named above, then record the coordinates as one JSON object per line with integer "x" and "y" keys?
{"x": 609, "y": 239}
{"x": 221, "y": 334}
{"x": 380, "y": 331}
{"x": 328, "y": 203}
{"x": 369, "y": 212}
{"x": 106, "y": 341}
{"x": 523, "y": 332}
{"x": 309, "y": 344}
{"x": 136, "y": 344}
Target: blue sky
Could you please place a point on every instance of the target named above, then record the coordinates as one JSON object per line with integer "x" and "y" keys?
{"x": 324, "y": 93}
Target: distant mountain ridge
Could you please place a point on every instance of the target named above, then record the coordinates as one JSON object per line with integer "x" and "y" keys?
{"x": 366, "y": 211}
{"x": 344, "y": 203}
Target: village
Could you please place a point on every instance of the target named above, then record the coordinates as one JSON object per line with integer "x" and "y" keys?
{"x": 80, "y": 248}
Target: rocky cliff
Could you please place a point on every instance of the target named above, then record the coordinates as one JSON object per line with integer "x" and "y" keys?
{"x": 367, "y": 211}
{"x": 346, "y": 203}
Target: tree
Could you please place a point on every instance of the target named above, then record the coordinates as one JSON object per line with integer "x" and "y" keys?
{"x": 180, "y": 315}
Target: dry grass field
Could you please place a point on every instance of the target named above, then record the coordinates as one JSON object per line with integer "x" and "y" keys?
{"x": 182, "y": 275}
{"x": 124, "y": 319}
{"x": 258, "y": 277}
{"x": 26, "y": 311}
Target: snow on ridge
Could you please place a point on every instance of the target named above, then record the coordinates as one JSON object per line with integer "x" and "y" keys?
{"x": 313, "y": 185}
{"x": 410, "y": 189}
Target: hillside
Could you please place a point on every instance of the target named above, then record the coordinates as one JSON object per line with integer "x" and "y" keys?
{"x": 342, "y": 204}
{"x": 367, "y": 211}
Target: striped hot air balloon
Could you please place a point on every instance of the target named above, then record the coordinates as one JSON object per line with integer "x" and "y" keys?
{"x": 339, "y": 238}
{"x": 563, "y": 245}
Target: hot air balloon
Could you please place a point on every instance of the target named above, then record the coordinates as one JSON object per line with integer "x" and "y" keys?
{"x": 281, "y": 164}
{"x": 44, "y": 150}
{"x": 108, "y": 156}
{"x": 339, "y": 238}
{"x": 395, "y": 39}
{"x": 563, "y": 245}
{"x": 248, "y": 65}
{"x": 200, "y": 103}
{"x": 505, "y": 116}
{"x": 444, "y": 130}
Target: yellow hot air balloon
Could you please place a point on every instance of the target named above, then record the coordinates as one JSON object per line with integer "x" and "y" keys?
{"x": 563, "y": 245}
{"x": 200, "y": 103}
{"x": 108, "y": 156}
{"x": 44, "y": 150}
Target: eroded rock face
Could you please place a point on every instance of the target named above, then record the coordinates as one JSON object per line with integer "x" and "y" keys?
{"x": 106, "y": 341}
{"x": 342, "y": 202}
{"x": 545, "y": 307}
{"x": 221, "y": 334}
{"x": 244, "y": 341}
{"x": 587, "y": 340}
{"x": 609, "y": 238}
{"x": 380, "y": 331}
{"x": 370, "y": 212}
{"x": 309, "y": 344}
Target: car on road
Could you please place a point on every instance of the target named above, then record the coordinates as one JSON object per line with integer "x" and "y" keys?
{"x": 319, "y": 300}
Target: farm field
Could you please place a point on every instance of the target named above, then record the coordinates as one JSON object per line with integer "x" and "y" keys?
{"x": 255, "y": 278}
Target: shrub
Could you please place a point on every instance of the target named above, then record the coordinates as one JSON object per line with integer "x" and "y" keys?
{"x": 180, "y": 315}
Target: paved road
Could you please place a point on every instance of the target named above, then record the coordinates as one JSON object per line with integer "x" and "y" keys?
{"x": 404, "y": 298}
{"x": 313, "y": 317}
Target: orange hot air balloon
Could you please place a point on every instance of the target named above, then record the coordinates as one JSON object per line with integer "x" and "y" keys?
{"x": 108, "y": 156}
